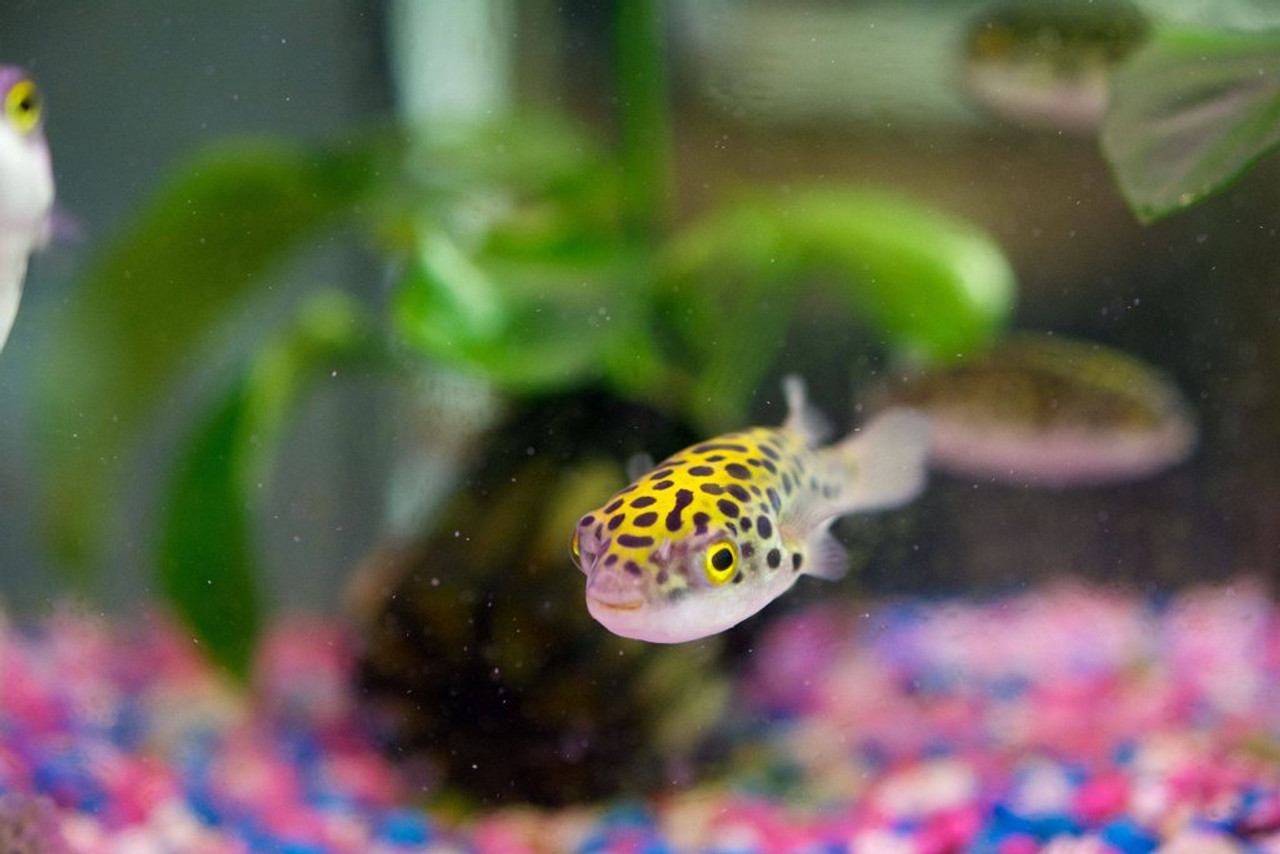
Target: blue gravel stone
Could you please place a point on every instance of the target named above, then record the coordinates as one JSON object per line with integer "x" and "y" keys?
{"x": 405, "y": 827}
{"x": 300, "y": 848}
{"x": 1005, "y": 822}
{"x": 1129, "y": 837}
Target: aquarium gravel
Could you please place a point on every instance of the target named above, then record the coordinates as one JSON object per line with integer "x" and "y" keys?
{"x": 1069, "y": 719}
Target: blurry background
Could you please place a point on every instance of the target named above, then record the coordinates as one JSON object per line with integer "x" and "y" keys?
{"x": 131, "y": 88}
{"x": 767, "y": 93}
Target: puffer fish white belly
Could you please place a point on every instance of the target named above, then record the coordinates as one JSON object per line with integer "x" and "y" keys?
{"x": 717, "y": 531}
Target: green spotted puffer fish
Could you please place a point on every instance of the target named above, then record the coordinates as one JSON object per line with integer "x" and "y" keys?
{"x": 26, "y": 187}
{"x": 719, "y": 530}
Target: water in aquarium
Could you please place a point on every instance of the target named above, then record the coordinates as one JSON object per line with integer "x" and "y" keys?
{"x": 652, "y": 426}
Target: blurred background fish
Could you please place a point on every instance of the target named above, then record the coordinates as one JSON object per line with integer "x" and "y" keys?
{"x": 26, "y": 187}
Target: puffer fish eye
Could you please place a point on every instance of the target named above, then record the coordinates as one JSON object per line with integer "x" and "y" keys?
{"x": 23, "y": 105}
{"x": 721, "y": 562}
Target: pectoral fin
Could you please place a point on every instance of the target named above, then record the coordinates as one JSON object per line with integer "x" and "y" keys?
{"x": 824, "y": 557}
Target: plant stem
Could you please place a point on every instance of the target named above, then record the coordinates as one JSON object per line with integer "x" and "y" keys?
{"x": 643, "y": 118}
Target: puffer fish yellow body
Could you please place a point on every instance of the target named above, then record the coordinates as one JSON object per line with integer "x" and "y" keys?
{"x": 717, "y": 531}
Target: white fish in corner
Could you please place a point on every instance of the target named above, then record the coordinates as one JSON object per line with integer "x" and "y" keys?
{"x": 26, "y": 187}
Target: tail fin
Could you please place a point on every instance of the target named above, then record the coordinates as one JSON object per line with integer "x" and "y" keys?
{"x": 886, "y": 461}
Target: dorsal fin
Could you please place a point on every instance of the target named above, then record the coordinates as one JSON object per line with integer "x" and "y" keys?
{"x": 801, "y": 416}
{"x": 638, "y": 465}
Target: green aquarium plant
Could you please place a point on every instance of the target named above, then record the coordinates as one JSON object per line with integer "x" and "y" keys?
{"x": 523, "y": 251}
{"x": 1191, "y": 111}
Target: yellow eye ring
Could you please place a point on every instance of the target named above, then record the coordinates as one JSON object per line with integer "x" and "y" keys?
{"x": 573, "y": 548}
{"x": 721, "y": 562}
{"x": 22, "y": 105}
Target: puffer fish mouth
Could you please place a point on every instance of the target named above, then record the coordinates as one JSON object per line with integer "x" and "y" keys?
{"x": 615, "y": 592}
{"x": 628, "y": 605}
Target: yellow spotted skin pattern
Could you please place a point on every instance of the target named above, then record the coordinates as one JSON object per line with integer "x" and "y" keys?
{"x": 717, "y": 531}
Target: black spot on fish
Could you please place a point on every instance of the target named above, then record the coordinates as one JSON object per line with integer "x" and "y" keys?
{"x": 628, "y": 488}
{"x": 662, "y": 576}
{"x": 715, "y": 458}
{"x": 700, "y": 521}
{"x": 615, "y": 521}
{"x": 632, "y": 567}
{"x": 738, "y": 470}
{"x": 664, "y": 484}
{"x": 796, "y": 560}
{"x": 755, "y": 490}
{"x": 711, "y": 488}
{"x": 746, "y": 523}
{"x": 587, "y": 521}
{"x": 631, "y": 541}
{"x": 644, "y": 520}
{"x": 769, "y": 452}
{"x": 701, "y": 471}
{"x": 748, "y": 550}
{"x": 754, "y": 462}
{"x": 719, "y": 446}
{"x": 770, "y": 467}
{"x": 659, "y": 475}
{"x": 610, "y": 560}
{"x": 732, "y": 527}
{"x": 599, "y": 531}
{"x": 737, "y": 579}
{"x": 774, "y": 501}
{"x": 774, "y": 558}
{"x": 764, "y": 526}
{"x": 738, "y": 492}
{"x": 786, "y": 483}
{"x": 643, "y": 501}
{"x": 728, "y": 508}
{"x": 683, "y": 499}
{"x": 613, "y": 507}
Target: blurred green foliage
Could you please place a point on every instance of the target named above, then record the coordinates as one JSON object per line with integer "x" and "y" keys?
{"x": 1191, "y": 111}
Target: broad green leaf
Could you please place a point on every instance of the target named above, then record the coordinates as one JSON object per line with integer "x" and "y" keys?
{"x": 142, "y": 307}
{"x": 928, "y": 285}
{"x": 524, "y": 325}
{"x": 207, "y": 558}
{"x": 518, "y": 273}
{"x": 1189, "y": 113}
{"x": 207, "y": 563}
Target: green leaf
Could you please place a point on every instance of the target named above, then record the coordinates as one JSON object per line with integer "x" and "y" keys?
{"x": 207, "y": 569}
{"x": 928, "y": 285}
{"x": 525, "y": 325}
{"x": 1190, "y": 112}
{"x": 140, "y": 310}
{"x": 207, "y": 560}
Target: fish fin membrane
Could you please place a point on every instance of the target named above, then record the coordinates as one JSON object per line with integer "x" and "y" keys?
{"x": 886, "y": 461}
{"x": 639, "y": 465}
{"x": 825, "y": 558}
{"x": 801, "y": 415}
